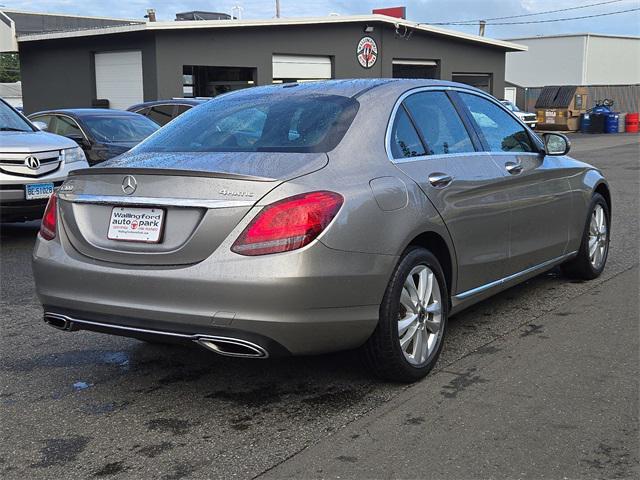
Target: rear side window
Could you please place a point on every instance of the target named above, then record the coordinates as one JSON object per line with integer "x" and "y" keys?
{"x": 439, "y": 123}
{"x": 258, "y": 123}
{"x": 405, "y": 141}
{"x": 501, "y": 131}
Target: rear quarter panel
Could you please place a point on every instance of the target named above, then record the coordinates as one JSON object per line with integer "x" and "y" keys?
{"x": 384, "y": 222}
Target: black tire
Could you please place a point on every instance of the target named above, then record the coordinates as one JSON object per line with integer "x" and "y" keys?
{"x": 382, "y": 353}
{"x": 580, "y": 267}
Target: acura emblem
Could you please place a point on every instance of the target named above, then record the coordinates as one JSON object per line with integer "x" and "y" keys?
{"x": 32, "y": 162}
{"x": 129, "y": 184}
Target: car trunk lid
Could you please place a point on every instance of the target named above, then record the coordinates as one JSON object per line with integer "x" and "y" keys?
{"x": 200, "y": 206}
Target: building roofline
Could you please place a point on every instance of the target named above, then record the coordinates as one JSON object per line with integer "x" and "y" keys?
{"x": 69, "y": 15}
{"x": 203, "y": 24}
{"x": 563, "y": 35}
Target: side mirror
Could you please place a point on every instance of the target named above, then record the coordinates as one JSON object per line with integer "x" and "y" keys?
{"x": 43, "y": 127}
{"x": 556, "y": 144}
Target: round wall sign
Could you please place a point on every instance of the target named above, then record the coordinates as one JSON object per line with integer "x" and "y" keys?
{"x": 367, "y": 52}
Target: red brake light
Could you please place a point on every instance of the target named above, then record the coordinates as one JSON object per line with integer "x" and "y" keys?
{"x": 48, "y": 224}
{"x": 288, "y": 224}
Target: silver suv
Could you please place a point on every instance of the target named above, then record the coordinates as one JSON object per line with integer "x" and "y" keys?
{"x": 32, "y": 164}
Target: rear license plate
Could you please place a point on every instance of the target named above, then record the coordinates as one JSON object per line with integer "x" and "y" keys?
{"x": 38, "y": 191}
{"x": 130, "y": 224}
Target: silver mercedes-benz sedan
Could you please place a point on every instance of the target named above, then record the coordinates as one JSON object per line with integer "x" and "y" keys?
{"x": 316, "y": 217}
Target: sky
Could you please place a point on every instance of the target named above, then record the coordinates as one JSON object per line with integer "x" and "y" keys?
{"x": 428, "y": 11}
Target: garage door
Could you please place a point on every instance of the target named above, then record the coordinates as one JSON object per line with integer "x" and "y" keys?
{"x": 301, "y": 67}
{"x": 119, "y": 78}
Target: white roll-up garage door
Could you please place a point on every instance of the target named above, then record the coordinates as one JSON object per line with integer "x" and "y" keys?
{"x": 301, "y": 67}
{"x": 119, "y": 78}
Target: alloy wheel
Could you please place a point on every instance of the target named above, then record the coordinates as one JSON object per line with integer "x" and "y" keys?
{"x": 420, "y": 315}
{"x": 597, "y": 237}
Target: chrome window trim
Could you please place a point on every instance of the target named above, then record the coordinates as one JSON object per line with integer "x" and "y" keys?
{"x": 401, "y": 98}
{"x": 153, "y": 201}
{"x": 482, "y": 288}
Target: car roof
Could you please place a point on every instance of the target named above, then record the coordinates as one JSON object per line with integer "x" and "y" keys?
{"x": 86, "y": 112}
{"x": 172, "y": 101}
{"x": 348, "y": 87}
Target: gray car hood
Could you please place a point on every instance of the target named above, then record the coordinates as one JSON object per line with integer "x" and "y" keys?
{"x": 31, "y": 142}
{"x": 272, "y": 165}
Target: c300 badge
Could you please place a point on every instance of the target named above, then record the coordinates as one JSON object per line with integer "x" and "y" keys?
{"x": 367, "y": 52}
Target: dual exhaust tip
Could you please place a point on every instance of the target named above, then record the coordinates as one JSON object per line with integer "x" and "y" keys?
{"x": 229, "y": 347}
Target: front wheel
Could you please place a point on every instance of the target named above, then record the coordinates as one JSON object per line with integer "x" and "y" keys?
{"x": 594, "y": 248}
{"x": 413, "y": 315}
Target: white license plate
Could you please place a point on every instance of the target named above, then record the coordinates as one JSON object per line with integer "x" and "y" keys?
{"x": 131, "y": 224}
{"x": 38, "y": 191}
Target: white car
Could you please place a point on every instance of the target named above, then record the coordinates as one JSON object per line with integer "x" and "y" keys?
{"x": 32, "y": 164}
{"x": 527, "y": 117}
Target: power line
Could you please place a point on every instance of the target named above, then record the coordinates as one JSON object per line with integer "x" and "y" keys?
{"x": 541, "y": 21}
{"x": 458, "y": 22}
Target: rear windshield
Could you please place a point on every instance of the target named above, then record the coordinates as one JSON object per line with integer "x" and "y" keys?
{"x": 258, "y": 123}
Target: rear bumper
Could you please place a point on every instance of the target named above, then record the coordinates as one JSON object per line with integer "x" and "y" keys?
{"x": 313, "y": 300}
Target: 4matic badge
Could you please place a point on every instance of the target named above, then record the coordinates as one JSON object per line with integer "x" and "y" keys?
{"x": 367, "y": 52}
{"x": 235, "y": 193}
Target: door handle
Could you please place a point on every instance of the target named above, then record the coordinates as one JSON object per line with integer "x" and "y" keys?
{"x": 514, "y": 168}
{"x": 440, "y": 180}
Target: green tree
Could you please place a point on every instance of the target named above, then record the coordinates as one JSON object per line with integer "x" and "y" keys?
{"x": 9, "y": 68}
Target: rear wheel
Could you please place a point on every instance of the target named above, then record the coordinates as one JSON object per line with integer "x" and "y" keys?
{"x": 592, "y": 256}
{"x": 413, "y": 315}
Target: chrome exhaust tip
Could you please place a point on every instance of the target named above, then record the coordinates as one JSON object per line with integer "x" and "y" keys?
{"x": 59, "y": 321}
{"x": 232, "y": 347}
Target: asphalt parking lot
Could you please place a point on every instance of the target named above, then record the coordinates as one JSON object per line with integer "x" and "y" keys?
{"x": 539, "y": 382}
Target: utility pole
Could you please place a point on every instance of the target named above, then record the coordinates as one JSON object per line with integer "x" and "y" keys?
{"x": 277, "y": 8}
{"x": 483, "y": 24}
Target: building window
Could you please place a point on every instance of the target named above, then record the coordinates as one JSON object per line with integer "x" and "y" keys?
{"x": 301, "y": 68}
{"x": 208, "y": 81}
{"x": 483, "y": 81}
{"x": 406, "y": 68}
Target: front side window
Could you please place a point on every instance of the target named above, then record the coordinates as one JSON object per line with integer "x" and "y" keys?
{"x": 501, "y": 131}
{"x": 439, "y": 123}
{"x": 258, "y": 123}
{"x": 67, "y": 127}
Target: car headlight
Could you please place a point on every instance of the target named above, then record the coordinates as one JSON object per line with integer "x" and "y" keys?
{"x": 75, "y": 154}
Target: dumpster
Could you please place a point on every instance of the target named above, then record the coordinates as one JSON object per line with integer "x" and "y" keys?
{"x": 560, "y": 108}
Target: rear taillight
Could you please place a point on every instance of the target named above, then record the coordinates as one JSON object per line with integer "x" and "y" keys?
{"x": 48, "y": 224}
{"x": 288, "y": 224}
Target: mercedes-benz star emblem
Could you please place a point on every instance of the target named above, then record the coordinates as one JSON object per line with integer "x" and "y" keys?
{"x": 129, "y": 184}
{"x": 32, "y": 162}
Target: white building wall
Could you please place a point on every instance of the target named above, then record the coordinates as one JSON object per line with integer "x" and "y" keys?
{"x": 549, "y": 61}
{"x": 612, "y": 61}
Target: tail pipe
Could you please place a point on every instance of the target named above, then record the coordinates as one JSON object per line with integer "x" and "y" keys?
{"x": 232, "y": 347}
{"x": 60, "y": 322}
{"x": 228, "y": 346}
